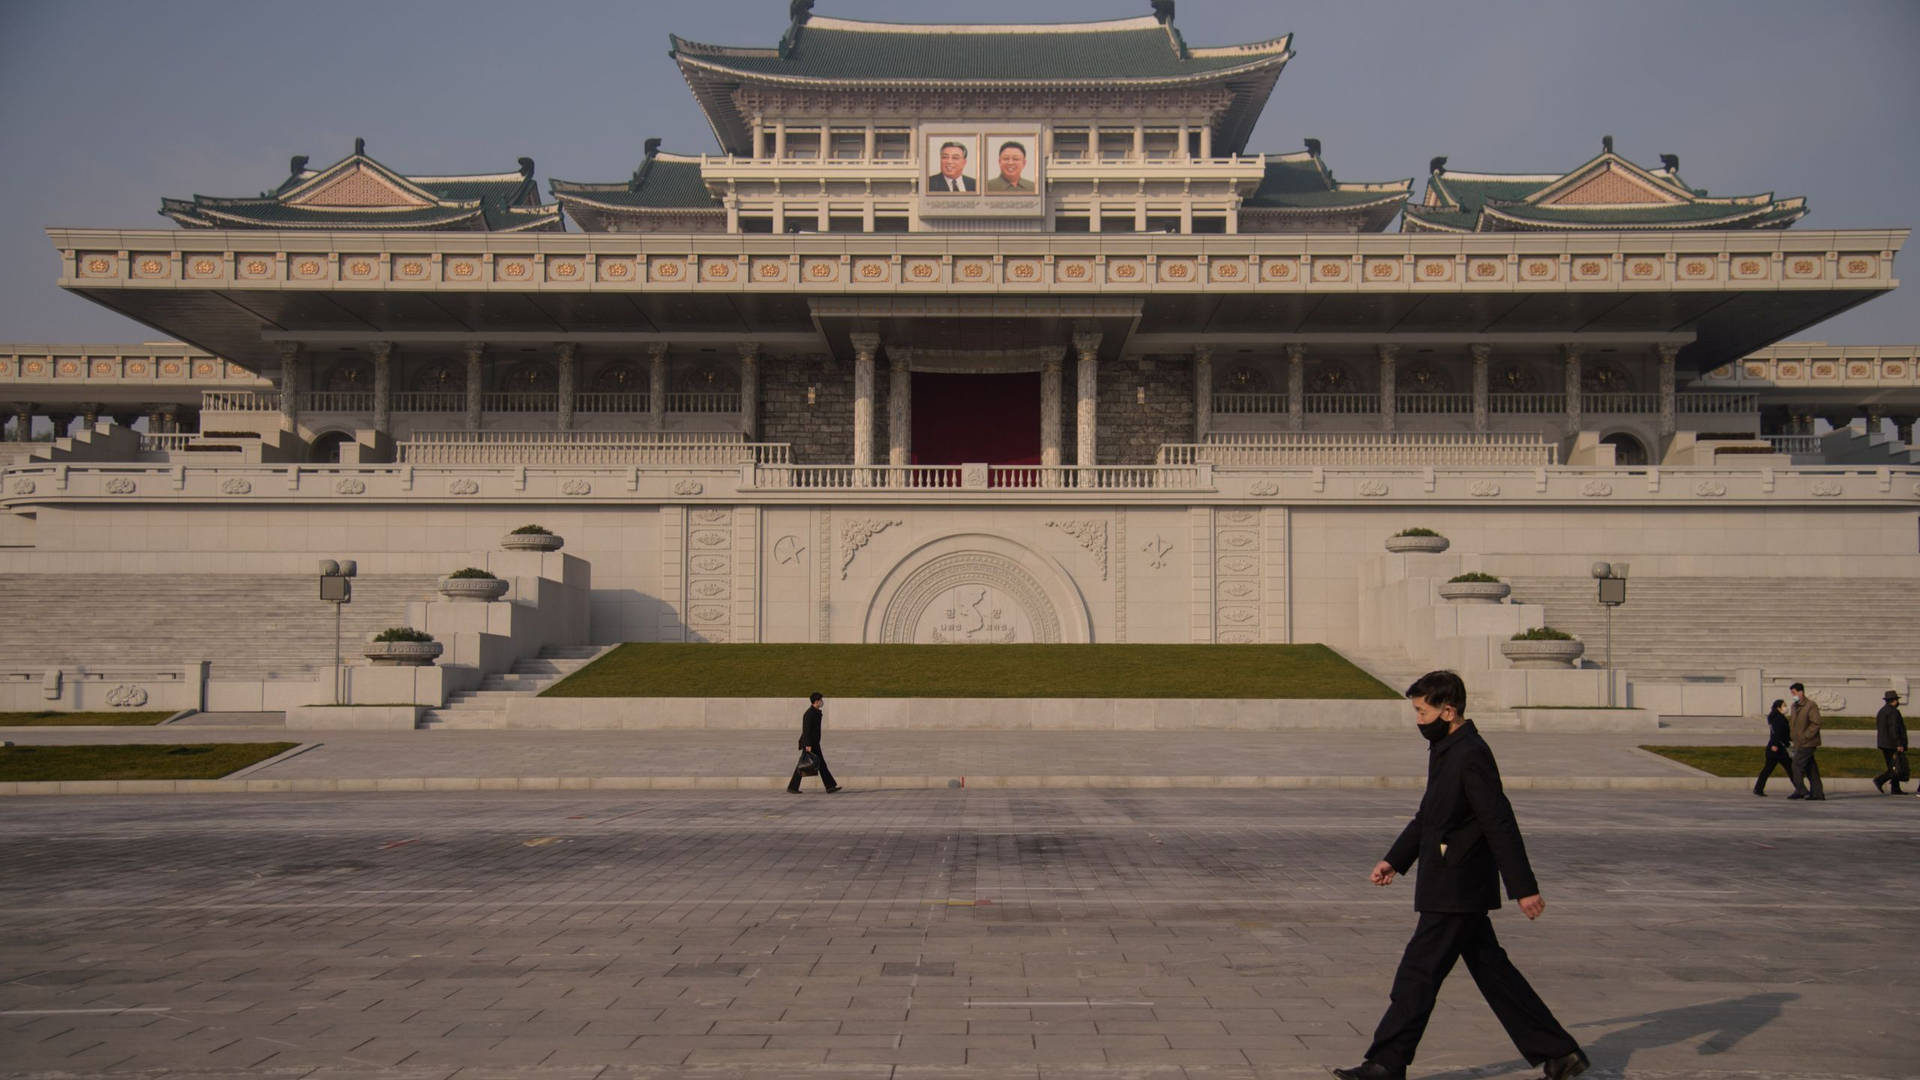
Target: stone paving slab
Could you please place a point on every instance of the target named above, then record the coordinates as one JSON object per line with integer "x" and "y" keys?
{"x": 1194, "y": 935}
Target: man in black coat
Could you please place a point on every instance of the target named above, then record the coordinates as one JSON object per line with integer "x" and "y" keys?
{"x": 1779, "y": 738}
{"x": 1466, "y": 840}
{"x": 1890, "y": 735}
{"x": 810, "y": 740}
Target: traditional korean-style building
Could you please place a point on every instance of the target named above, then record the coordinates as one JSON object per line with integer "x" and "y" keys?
{"x": 1013, "y": 310}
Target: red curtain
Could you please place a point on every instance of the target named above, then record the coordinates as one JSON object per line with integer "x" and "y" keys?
{"x": 990, "y": 418}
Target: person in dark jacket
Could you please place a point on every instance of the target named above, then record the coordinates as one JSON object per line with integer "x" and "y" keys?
{"x": 1466, "y": 841}
{"x": 1778, "y": 739}
{"x": 810, "y": 740}
{"x": 1890, "y": 735}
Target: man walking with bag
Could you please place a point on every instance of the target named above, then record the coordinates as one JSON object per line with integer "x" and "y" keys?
{"x": 1804, "y": 724}
{"x": 1466, "y": 840}
{"x": 1890, "y": 735}
{"x": 810, "y": 744}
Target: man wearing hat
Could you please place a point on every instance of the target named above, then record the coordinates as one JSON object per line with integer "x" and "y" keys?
{"x": 1890, "y": 735}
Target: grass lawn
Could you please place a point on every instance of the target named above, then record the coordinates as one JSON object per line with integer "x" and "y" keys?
{"x": 1846, "y": 723}
{"x": 960, "y": 671}
{"x": 188, "y": 761}
{"x": 73, "y": 719}
{"x": 1835, "y": 761}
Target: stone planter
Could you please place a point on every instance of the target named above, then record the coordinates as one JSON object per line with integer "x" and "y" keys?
{"x": 1432, "y": 545}
{"x": 1542, "y": 654}
{"x": 532, "y": 542}
{"x": 473, "y": 588}
{"x": 404, "y": 653}
{"x": 1475, "y": 592}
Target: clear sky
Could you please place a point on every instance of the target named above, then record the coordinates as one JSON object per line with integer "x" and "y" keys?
{"x": 105, "y": 107}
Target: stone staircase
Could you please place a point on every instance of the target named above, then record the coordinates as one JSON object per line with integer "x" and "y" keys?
{"x": 1853, "y": 445}
{"x": 1673, "y": 627}
{"x": 251, "y": 626}
{"x": 487, "y": 706}
{"x": 1399, "y": 671}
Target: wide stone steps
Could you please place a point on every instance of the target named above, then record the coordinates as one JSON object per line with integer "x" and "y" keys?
{"x": 487, "y": 706}
{"x": 250, "y": 626}
{"x": 1709, "y": 626}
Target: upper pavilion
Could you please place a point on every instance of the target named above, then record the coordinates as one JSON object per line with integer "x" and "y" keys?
{"x": 1607, "y": 192}
{"x": 360, "y": 193}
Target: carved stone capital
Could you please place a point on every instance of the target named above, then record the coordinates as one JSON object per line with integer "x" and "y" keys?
{"x": 865, "y": 344}
{"x": 1086, "y": 343}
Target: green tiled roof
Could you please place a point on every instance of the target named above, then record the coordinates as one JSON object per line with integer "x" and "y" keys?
{"x": 845, "y": 50}
{"x": 490, "y": 202}
{"x": 1499, "y": 202}
{"x": 1303, "y": 181}
{"x": 662, "y": 182}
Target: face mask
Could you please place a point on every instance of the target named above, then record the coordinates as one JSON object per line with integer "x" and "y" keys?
{"x": 1435, "y": 731}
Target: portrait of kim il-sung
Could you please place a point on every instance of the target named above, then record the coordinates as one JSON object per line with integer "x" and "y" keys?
{"x": 1015, "y": 171}
{"x": 953, "y": 155}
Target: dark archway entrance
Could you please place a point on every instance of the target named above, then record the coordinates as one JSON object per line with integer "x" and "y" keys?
{"x": 326, "y": 448}
{"x": 963, "y": 418}
{"x": 1627, "y": 450}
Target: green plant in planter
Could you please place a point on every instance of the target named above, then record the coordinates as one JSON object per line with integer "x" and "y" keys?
{"x": 1416, "y": 531}
{"x": 1474, "y": 576}
{"x": 531, "y": 530}
{"x": 1543, "y": 633}
{"x": 472, "y": 572}
{"x": 402, "y": 633}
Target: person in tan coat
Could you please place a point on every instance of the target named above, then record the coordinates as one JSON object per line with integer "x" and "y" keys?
{"x": 1803, "y": 723}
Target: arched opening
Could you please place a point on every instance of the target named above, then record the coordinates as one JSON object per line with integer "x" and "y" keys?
{"x": 326, "y": 448}
{"x": 1627, "y": 450}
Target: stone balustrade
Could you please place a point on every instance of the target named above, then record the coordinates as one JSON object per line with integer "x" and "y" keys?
{"x": 1363, "y": 448}
{"x": 585, "y": 448}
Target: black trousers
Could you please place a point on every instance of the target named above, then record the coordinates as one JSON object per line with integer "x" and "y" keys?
{"x": 1775, "y": 759}
{"x": 1889, "y": 753}
{"x": 826, "y": 774}
{"x": 1806, "y": 772}
{"x": 1439, "y": 940}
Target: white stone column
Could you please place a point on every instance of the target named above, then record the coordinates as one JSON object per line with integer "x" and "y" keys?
{"x": 1296, "y": 386}
{"x": 750, "y": 389}
{"x": 382, "y": 390}
{"x": 779, "y": 139}
{"x": 1202, "y": 393}
{"x": 1389, "y": 388}
{"x": 291, "y": 354}
{"x": 657, "y": 385}
{"x": 1481, "y": 354}
{"x": 865, "y": 346}
{"x": 1570, "y": 359}
{"x": 476, "y": 381}
{"x": 899, "y": 410}
{"x": 564, "y": 365}
{"x": 1206, "y": 140}
{"x": 1086, "y": 344}
{"x": 1668, "y": 355}
{"x": 23, "y": 422}
{"x": 1050, "y": 417}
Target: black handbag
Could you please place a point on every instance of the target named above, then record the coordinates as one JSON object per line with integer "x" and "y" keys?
{"x": 1900, "y": 773}
{"x": 808, "y": 765}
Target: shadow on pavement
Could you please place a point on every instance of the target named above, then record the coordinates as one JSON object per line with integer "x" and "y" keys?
{"x": 1720, "y": 1025}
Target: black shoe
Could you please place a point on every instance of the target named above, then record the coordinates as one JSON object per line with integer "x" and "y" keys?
{"x": 1879, "y": 785}
{"x": 1371, "y": 1070}
{"x": 793, "y": 791}
{"x": 1760, "y": 793}
{"x": 835, "y": 788}
{"x": 1567, "y": 1065}
{"x": 1797, "y": 795}
{"x": 1894, "y": 789}
{"x": 1816, "y": 798}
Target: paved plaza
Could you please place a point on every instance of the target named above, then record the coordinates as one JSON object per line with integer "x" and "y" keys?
{"x": 922, "y": 934}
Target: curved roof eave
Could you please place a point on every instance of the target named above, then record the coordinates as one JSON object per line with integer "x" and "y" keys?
{"x": 1271, "y": 60}
{"x": 1727, "y": 221}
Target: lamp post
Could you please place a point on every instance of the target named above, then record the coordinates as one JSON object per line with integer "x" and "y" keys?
{"x": 1612, "y": 581}
{"x": 336, "y": 587}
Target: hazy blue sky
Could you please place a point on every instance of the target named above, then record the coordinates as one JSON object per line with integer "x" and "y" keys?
{"x": 106, "y": 107}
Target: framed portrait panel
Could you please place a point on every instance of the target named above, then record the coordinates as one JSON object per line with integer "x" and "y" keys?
{"x": 1013, "y": 165}
{"x": 953, "y": 161}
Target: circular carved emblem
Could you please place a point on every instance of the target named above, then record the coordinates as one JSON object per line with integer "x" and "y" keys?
{"x": 972, "y": 271}
{"x": 236, "y": 485}
{"x": 1373, "y": 489}
{"x": 1896, "y": 369}
{"x": 69, "y": 368}
{"x": 126, "y": 696}
{"x": 1591, "y": 268}
{"x": 1823, "y": 371}
{"x": 1177, "y": 271}
{"x": 566, "y": 270}
{"x": 1858, "y": 266}
{"x": 256, "y": 266}
{"x": 1856, "y": 371}
{"x": 820, "y": 270}
{"x": 576, "y": 486}
{"x": 1756, "y": 371}
{"x": 1596, "y": 489}
{"x": 360, "y": 268}
{"x": 1485, "y": 270}
{"x": 350, "y": 485}
{"x": 718, "y": 271}
{"x": 967, "y": 597}
{"x": 203, "y": 266}
{"x": 1227, "y": 271}
{"x": 35, "y": 367}
{"x": 103, "y": 369}
{"x": 1380, "y": 271}
{"x": 923, "y": 270}
{"x": 770, "y": 271}
{"x": 134, "y": 367}
{"x": 1694, "y": 268}
{"x": 1642, "y": 268}
{"x": 1433, "y": 270}
{"x": 688, "y": 487}
{"x": 119, "y": 485}
{"x": 96, "y": 266}
{"x": 203, "y": 369}
{"x": 1803, "y": 266}
{"x": 1279, "y": 271}
{"x": 1710, "y": 489}
{"x": 1483, "y": 489}
{"x": 1826, "y": 488}
{"x": 1539, "y": 268}
{"x": 1789, "y": 371}
{"x": 309, "y": 268}
{"x": 872, "y": 271}
{"x": 1023, "y": 271}
{"x": 617, "y": 271}
{"x": 1074, "y": 271}
{"x": 413, "y": 268}
{"x": 463, "y": 486}
{"x": 1332, "y": 271}
{"x": 667, "y": 271}
{"x": 1748, "y": 268}
{"x": 23, "y": 487}
{"x": 149, "y": 266}
{"x": 514, "y": 270}
{"x": 170, "y": 368}
{"x": 1126, "y": 271}
{"x": 462, "y": 270}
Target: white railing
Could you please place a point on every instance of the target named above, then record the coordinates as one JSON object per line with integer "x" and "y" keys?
{"x": 703, "y": 402}
{"x": 1794, "y": 444}
{"x": 337, "y": 401}
{"x": 1716, "y": 403}
{"x": 520, "y": 401}
{"x": 585, "y": 448}
{"x": 979, "y": 478}
{"x": 1433, "y": 404}
{"x": 1363, "y": 448}
{"x": 1527, "y": 403}
{"x": 240, "y": 401}
{"x": 1343, "y": 403}
{"x": 1249, "y": 403}
{"x": 602, "y": 401}
{"x": 1615, "y": 403}
{"x": 441, "y": 401}
{"x": 166, "y": 442}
